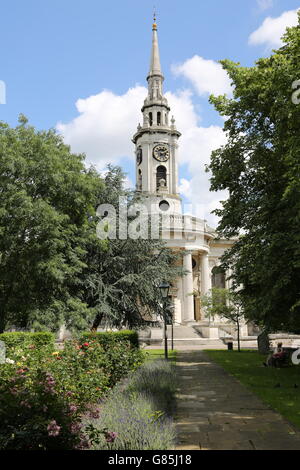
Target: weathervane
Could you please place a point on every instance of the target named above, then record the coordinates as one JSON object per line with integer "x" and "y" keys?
{"x": 154, "y": 18}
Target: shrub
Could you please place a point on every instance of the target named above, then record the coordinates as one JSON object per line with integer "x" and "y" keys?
{"x": 106, "y": 338}
{"x": 80, "y": 369}
{"x": 137, "y": 411}
{"x": 35, "y": 413}
{"x": 44, "y": 393}
{"x": 120, "y": 359}
{"x": 23, "y": 340}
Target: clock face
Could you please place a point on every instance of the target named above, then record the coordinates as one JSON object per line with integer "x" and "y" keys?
{"x": 161, "y": 153}
{"x": 139, "y": 155}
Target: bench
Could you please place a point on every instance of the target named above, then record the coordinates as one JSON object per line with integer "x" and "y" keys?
{"x": 284, "y": 361}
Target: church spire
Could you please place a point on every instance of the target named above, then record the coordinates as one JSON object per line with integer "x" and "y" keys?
{"x": 155, "y": 68}
{"x": 156, "y": 140}
{"x": 155, "y": 77}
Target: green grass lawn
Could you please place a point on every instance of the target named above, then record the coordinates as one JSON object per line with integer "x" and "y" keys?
{"x": 247, "y": 367}
{"x": 153, "y": 354}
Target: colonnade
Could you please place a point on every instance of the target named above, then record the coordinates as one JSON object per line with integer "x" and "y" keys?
{"x": 187, "y": 297}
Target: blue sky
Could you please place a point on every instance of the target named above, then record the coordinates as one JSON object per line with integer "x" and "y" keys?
{"x": 55, "y": 52}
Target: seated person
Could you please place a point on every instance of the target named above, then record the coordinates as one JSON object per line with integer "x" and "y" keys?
{"x": 276, "y": 357}
{"x": 278, "y": 352}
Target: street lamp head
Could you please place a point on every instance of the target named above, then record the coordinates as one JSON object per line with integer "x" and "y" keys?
{"x": 164, "y": 289}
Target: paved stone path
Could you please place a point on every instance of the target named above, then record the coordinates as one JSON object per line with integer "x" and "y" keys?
{"x": 216, "y": 412}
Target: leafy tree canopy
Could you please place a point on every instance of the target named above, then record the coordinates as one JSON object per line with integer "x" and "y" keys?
{"x": 53, "y": 267}
{"x": 260, "y": 168}
{"x": 44, "y": 198}
{"x": 225, "y": 304}
{"x": 123, "y": 275}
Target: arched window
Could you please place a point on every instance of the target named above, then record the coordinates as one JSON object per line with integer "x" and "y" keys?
{"x": 159, "y": 118}
{"x": 161, "y": 174}
{"x": 150, "y": 119}
{"x": 218, "y": 277}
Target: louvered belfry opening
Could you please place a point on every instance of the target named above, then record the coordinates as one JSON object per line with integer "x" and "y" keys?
{"x": 161, "y": 173}
{"x": 158, "y": 118}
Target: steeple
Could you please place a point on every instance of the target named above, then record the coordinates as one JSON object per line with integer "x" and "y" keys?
{"x": 156, "y": 141}
{"x": 155, "y": 77}
{"x": 155, "y": 108}
{"x": 155, "y": 68}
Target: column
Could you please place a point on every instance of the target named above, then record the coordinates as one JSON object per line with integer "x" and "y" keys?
{"x": 205, "y": 274}
{"x": 179, "y": 302}
{"x": 188, "y": 288}
{"x": 205, "y": 279}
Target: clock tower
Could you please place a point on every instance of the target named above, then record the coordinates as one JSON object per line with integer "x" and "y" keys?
{"x": 156, "y": 147}
{"x": 156, "y": 143}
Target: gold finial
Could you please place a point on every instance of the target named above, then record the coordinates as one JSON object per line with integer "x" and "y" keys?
{"x": 154, "y": 26}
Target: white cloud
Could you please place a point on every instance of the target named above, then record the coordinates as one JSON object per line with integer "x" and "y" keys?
{"x": 196, "y": 145}
{"x": 106, "y": 123}
{"x": 183, "y": 109}
{"x": 207, "y": 77}
{"x": 265, "y": 4}
{"x": 185, "y": 188}
{"x": 128, "y": 184}
{"x": 272, "y": 29}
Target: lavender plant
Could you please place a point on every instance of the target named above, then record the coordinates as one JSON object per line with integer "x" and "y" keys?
{"x": 158, "y": 380}
{"x": 137, "y": 411}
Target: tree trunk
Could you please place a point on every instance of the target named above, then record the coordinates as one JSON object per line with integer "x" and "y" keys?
{"x": 263, "y": 342}
{"x": 97, "y": 321}
{"x": 2, "y": 322}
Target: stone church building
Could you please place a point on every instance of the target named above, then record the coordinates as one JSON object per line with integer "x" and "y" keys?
{"x": 156, "y": 147}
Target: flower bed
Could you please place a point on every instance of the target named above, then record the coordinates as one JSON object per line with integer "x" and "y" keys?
{"x": 45, "y": 393}
{"x": 137, "y": 411}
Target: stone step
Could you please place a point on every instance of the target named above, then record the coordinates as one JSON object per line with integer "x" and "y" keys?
{"x": 191, "y": 344}
{"x": 184, "y": 332}
{"x": 186, "y": 335}
{"x": 200, "y": 340}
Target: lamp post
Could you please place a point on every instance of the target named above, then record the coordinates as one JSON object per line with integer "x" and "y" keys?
{"x": 172, "y": 320}
{"x": 164, "y": 290}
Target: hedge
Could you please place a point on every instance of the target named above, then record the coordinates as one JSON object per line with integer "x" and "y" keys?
{"x": 25, "y": 339}
{"x": 106, "y": 338}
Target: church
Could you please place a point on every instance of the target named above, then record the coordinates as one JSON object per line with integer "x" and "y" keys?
{"x": 156, "y": 149}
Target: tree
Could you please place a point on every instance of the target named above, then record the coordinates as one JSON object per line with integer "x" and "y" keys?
{"x": 122, "y": 276}
{"x": 225, "y": 304}
{"x": 53, "y": 268}
{"x": 45, "y": 196}
{"x": 260, "y": 168}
